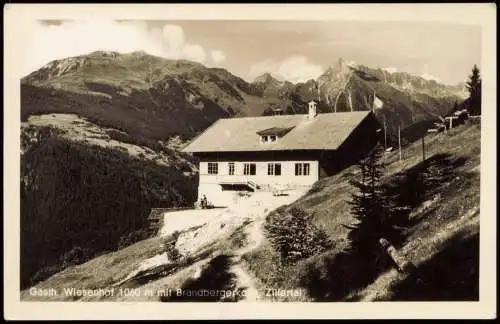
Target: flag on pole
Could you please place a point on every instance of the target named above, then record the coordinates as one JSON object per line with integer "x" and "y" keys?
{"x": 377, "y": 103}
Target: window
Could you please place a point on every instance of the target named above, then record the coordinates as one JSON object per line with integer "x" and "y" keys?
{"x": 302, "y": 169}
{"x": 277, "y": 169}
{"x": 298, "y": 169}
{"x": 274, "y": 169}
{"x": 306, "y": 169}
{"x": 231, "y": 168}
{"x": 249, "y": 169}
{"x": 213, "y": 168}
{"x": 268, "y": 138}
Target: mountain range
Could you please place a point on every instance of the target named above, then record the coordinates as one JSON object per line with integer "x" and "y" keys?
{"x": 101, "y": 137}
{"x": 155, "y": 98}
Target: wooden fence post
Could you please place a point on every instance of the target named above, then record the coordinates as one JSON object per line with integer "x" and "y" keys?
{"x": 402, "y": 265}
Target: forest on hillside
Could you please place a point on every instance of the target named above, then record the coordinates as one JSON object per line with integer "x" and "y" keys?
{"x": 80, "y": 200}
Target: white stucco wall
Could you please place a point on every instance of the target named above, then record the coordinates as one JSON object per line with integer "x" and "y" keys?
{"x": 209, "y": 183}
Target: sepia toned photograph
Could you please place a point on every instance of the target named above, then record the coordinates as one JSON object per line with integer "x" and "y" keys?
{"x": 164, "y": 161}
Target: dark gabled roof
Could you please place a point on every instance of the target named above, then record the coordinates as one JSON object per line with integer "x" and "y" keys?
{"x": 324, "y": 132}
{"x": 278, "y": 131}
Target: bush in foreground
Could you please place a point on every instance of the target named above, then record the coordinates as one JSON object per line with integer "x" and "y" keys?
{"x": 294, "y": 236}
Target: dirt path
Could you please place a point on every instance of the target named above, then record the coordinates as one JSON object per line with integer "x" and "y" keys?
{"x": 204, "y": 227}
{"x": 243, "y": 279}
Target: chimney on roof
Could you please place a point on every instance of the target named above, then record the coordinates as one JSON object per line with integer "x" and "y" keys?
{"x": 312, "y": 109}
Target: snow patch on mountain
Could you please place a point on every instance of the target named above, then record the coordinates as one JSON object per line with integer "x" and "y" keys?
{"x": 351, "y": 64}
{"x": 430, "y": 77}
{"x": 390, "y": 69}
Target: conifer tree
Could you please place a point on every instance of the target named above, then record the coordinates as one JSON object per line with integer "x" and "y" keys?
{"x": 474, "y": 87}
{"x": 370, "y": 207}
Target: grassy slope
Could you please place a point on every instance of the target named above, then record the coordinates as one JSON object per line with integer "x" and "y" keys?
{"x": 108, "y": 269}
{"x": 452, "y": 208}
{"x": 99, "y": 272}
{"x": 444, "y": 245}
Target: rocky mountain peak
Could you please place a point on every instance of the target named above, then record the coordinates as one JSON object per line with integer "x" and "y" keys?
{"x": 342, "y": 66}
{"x": 266, "y": 78}
{"x": 263, "y": 78}
{"x": 337, "y": 70}
{"x": 102, "y": 53}
{"x": 58, "y": 68}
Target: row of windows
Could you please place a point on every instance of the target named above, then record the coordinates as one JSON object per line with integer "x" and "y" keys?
{"x": 301, "y": 169}
{"x": 268, "y": 138}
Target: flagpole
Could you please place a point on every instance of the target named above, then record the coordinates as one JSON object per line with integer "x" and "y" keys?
{"x": 399, "y": 142}
{"x": 385, "y": 136}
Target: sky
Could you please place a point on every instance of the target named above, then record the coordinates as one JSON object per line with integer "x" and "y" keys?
{"x": 293, "y": 50}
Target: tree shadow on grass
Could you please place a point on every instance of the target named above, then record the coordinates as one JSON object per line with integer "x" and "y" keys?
{"x": 332, "y": 276}
{"x": 215, "y": 284}
{"x": 451, "y": 275}
{"x": 408, "y": 189}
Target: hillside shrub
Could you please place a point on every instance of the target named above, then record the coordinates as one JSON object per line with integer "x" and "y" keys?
{"x": 294, "y": 235}
{"x": 33, "y": 136}
{"x": 118, "y": 135}
{"x": 134, "y": 236}
{"x": 168, "y": 246}
{"x": 75, "y": 256}
{"x": 264, "y": 263}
